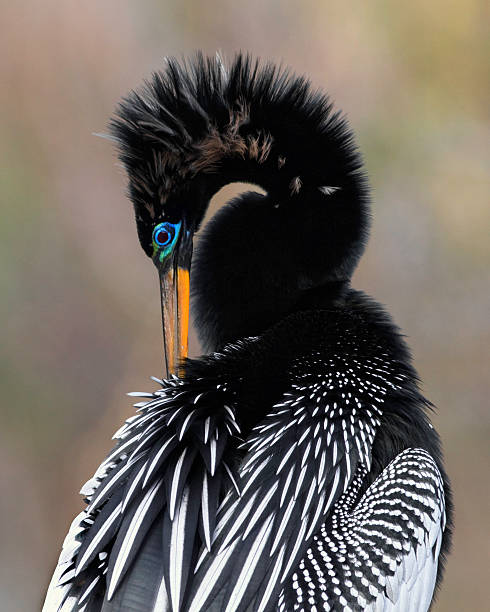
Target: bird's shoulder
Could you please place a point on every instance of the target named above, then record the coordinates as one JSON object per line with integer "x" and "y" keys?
{"x": 172, "y": 461}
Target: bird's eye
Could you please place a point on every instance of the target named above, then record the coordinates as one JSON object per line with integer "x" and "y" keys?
{"x": 164, "y": 237}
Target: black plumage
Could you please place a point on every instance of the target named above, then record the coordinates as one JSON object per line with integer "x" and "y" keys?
{"x": 294, "y": 466}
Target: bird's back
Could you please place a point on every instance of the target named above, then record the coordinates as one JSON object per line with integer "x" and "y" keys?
{"x": 329, "y": 502}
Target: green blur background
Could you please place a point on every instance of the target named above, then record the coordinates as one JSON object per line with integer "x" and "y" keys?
{"x": 80, "y": 309}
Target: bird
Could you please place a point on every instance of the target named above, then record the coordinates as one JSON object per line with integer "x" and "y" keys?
{"x": 292, "y": 466}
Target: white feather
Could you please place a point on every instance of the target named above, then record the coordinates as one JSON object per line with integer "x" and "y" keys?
{"x": 130, "y": 536}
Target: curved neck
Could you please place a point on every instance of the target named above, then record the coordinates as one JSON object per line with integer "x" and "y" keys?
{"x": 325, "y": 296}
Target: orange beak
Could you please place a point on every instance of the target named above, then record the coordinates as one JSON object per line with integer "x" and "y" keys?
{"x": 174, "y": 291}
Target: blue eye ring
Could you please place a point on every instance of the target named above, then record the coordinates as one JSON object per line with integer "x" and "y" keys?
{"x": 164, "y": 238}
{"x": 166, "y": 230}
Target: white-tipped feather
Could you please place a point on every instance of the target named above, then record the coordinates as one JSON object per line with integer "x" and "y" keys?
{"x": 102, "y": 490}
{"x": 316, "y": 516}
{"x": 286, "y": 485}
{"x": 239, "y": 521}
{"x": 249, "y": 566}
{"x": 130, "y": 536}
{"x": 232, "y": 478}
{"x": 309, "y": 497}
{"x": 175, "y": 484}
{"x": 286, "y": 515}
{"x": 206, "y": 585}
{"x": 328, "y": 190}
{"x": 286, "y": 457}
{"x": 206, "y": 429}
{"x": 98, "y": 537}
{"x": 260, "y": 510}
{"x": 301, "y": 478}
{"x": 333, "y": 490}
{"x": 88, "y": 590}
{"x": 272, "y": 582}
{"x": 292, "y": 556}
{"x": 155, "y": 459}
{"x": 205, "y": 512}
{"x": 212, "y": 454}
{"x": 134, "y": 483}
{"x": 177, "y": 541}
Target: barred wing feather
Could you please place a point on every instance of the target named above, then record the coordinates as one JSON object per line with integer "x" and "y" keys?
{"x": 378, "y": 553}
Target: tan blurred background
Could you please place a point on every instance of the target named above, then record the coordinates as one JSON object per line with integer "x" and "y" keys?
{"x": 79, "y": 308}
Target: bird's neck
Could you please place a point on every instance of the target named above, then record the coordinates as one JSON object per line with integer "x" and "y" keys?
{"x": 328, "y": 295}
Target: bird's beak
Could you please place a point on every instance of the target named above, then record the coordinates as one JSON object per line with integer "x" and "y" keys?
{"x": 174, "y": 291}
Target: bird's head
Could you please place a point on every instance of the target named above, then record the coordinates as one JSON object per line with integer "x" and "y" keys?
{"x": 196, "y": 127}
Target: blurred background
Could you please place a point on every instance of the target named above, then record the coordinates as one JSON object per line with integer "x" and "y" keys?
{"x": 80, "y": 306}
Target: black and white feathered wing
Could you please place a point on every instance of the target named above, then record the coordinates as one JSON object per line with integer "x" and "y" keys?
{"x": 380, "y": 553}
{"x": 185, "y": 515}
{"x": 151, "y": 504}
{"x": 307, "y": 533}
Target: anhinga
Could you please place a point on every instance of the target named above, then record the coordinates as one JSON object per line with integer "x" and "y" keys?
{"x": 292, "y": 467}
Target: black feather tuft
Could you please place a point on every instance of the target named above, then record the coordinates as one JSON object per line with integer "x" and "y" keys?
{"x": 198, "y": 125}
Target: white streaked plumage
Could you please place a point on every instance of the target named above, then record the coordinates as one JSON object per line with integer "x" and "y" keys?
{"x": 299, "y": 470}
{"x": 177, "y": 549}
{"x": 130, "y": 536}
{"x": 95, "y": 542}
{"x": 349, "y": 544}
